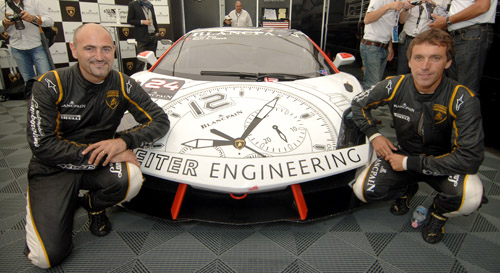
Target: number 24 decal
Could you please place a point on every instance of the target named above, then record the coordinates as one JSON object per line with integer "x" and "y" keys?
{"x": 162, "y": 83}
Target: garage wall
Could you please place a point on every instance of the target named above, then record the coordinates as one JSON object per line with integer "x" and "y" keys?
{"x": 69, "y": 14}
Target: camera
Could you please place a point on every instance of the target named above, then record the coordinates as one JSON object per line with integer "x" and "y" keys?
{"x": 416, "y": 2}
{"x": 16, "y": 17}
{"x": 18, "y": 21}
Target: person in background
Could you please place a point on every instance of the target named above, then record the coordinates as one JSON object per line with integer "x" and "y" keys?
{"x": 21, "y": 21}
{"x": 381, "y": 20}
{"x": 416, "y": 19}
{"x": 240, "y": 17}
{"x": 227, "y": 21}
{"x": 470, "y": 22}
{"x": 439, "y": 133}
{"x": 141, "y": 14}
{"x": 73, "y": 115}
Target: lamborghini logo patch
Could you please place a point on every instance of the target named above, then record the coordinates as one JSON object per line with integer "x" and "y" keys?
{"x": 162, "y": 31}
{"x": 112, "y": 98}
{"x": 126, "y": 31}
{"x": 239, "y": 144}
{"x": 130, "y": 65}
{"x": 71, "y": 11}
{"x": 440, "y": 113}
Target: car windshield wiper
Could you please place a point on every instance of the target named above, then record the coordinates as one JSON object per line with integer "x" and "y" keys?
{"x": 257, "y": 76}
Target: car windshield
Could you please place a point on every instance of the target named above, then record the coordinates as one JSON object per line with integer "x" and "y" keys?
{"x": 244, "y": 55}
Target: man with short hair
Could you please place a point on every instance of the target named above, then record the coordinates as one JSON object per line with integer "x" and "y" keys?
{"x": 439, "y": 132}
{"x": 240, "y": 17}
{"x": 73, "y": 114}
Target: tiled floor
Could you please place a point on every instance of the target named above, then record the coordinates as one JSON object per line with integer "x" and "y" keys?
{"x": 368, "y": 239}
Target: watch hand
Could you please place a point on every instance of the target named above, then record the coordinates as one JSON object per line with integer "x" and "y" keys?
{"x": 204, "y": 143}
{"x": 263, "y": 112}
{"x": 221, "y": 134}
{"x": 237, "y": 143}
{"x": 282, "y": 136}
{"x": 255, "y": 151}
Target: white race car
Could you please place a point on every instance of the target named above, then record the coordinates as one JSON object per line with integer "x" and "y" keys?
{"x": 252, "y": 111}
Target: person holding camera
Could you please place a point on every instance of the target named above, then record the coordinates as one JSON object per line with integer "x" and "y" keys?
{"x": 21, "y": 19}
{"x": 416, "y": 19}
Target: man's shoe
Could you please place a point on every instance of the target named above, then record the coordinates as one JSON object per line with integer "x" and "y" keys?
{"x": 99, "y": 223}
{"x": 402, "y": 204}
{"x": 433, "y": 231}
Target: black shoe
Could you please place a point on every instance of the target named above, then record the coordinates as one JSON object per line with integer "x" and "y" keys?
{"x": 433, "y": 230}
{"x": 402, "y": 205}
{"x": 99, "y": 223}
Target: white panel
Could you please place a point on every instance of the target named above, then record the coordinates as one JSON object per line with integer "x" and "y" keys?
{"x": 90, "y": 12}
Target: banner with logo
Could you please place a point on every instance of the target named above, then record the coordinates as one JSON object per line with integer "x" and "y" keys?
{"x": 68, "y": 15}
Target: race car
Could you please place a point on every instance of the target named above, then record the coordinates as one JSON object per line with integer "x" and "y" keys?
{"x": 255, "y": 113}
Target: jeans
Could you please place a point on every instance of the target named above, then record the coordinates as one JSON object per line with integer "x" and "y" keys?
{"x": 471, "y": 46}
{"x": 374, "y": 62}
{"x": 25, "y": 59}
{"x": 403, "y": 67}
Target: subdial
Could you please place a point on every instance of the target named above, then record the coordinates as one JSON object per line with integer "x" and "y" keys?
{"x": 282, "y": 133}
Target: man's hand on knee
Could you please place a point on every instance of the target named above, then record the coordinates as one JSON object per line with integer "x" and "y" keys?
{"x": 106, "y": 149}
{"x": 383, "y": 146}
{"x": 396, "y": 161}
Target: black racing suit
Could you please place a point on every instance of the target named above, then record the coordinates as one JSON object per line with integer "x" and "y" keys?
{"x": 66, "y": 113}
{"x": 440, "y": 133}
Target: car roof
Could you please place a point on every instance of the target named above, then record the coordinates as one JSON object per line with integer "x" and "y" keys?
{"x": 280, "y": 30}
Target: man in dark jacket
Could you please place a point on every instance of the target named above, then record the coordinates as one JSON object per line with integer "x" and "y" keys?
{"x": 73, "y": 116}
{"x": 439, "y": 133}
{"x": 141, "y": 14}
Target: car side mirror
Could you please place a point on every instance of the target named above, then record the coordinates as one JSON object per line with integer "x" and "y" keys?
{"x": 147, "y": 57}
{"x": 167, "y": 42}
{"x": 343, "y": 58}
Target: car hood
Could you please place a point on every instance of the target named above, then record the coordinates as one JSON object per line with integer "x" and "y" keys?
{"x": 243, "y": 137}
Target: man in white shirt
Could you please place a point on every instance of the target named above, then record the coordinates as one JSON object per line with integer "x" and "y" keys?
{"x": 416, "y": 19}
{"x": 470, "y": 22}
{"x": 240, "y": 17}
{"x": 376, "y": 46}
{"x": 25, "y": 43}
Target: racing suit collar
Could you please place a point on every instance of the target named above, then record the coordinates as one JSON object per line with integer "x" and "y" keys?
{"x": 427, "y": 97}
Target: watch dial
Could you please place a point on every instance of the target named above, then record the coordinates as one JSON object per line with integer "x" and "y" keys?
{"x": 247, "y": 121}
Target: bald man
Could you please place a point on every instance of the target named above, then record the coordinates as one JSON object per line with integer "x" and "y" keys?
{"x": 73, "y": 115}
{"x": 240, "y": 17}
